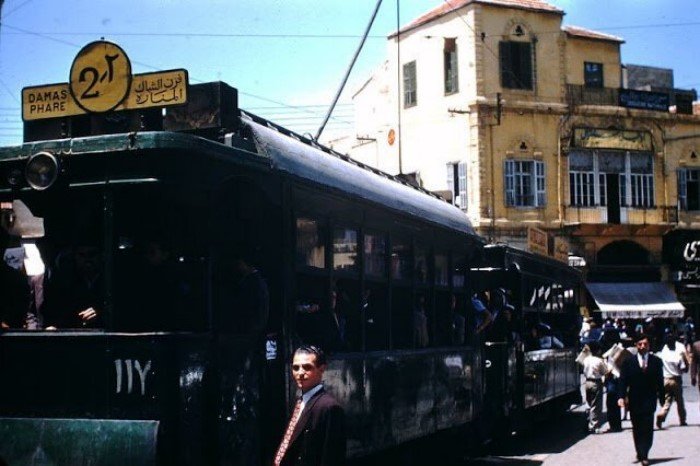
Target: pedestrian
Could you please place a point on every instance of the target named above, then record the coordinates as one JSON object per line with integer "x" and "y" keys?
{"x": 594, "y": 369}
{"x": 613, "y": 349}
{"x": 641, "y": 379}
{"x": 315, "y": 435}
{"x": 695, "y": 362}
{"x": 674, "y": 364}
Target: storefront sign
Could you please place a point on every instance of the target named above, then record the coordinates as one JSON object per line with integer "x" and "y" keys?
{"x": 537, "y": 241}
{"x": 598, "y": 138}
{"x": 681, "y": 251}
{"x": 561, "y": 249}
{"x": 644, "y": 100}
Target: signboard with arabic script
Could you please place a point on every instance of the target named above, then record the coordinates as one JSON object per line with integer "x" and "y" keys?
{"x": 599, "y": 138}
{"x": 101, "y": 81}
{"x": 161, "y": 89}
{"x": 537, "y": 241}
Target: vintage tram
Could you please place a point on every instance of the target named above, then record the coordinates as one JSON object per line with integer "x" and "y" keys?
{"x": 153, "y": 208}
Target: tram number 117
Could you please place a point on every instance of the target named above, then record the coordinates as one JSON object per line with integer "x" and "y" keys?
{"x": 126, "y": 371}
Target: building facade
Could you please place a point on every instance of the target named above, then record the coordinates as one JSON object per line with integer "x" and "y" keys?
{"x": 523, "y": 123}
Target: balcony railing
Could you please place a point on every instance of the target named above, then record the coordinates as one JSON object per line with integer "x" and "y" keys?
{"x": 628, "y": 215}
{"x": 582, "y": 95}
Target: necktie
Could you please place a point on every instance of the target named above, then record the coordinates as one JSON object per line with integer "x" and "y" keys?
{"x": 296, "y": 414}
{"x": 644, "y": 364}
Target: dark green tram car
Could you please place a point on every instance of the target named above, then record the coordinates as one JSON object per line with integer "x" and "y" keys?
{"x": 171, "y": 369}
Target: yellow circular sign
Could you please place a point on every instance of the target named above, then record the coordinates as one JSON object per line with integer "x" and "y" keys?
{"x": 100, "y": 77}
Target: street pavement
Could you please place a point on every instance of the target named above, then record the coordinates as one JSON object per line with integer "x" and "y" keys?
{"x": 562, "y": 442}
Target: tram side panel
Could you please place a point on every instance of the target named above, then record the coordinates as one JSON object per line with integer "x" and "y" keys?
{"x": 103, "y": 398}
{"x": 392, "y": 398}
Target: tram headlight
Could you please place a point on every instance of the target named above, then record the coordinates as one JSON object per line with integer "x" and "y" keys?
{"x": 41, "y": 171}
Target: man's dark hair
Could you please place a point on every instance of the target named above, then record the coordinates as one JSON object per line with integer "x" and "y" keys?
{"x": 640, "y": 337}
{"x": 315, "y": 350}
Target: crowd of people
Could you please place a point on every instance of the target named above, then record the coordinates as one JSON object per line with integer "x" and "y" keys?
{"x": 637, "y": 363}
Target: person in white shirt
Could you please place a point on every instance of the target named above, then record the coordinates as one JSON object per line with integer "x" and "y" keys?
{"x": 674, "y": 361}
{"x": 594, "y": 369}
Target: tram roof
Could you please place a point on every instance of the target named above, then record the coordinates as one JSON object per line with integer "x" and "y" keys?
{"x": 314, "y": 163}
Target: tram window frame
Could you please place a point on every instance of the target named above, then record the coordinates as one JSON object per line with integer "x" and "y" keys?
{"x": 407, "y": 277}
{"x": 323, "y": 233}
{"x": 385, "y": 253}
{"x": 446, "y": 271}
{"x": 354, "y": 271}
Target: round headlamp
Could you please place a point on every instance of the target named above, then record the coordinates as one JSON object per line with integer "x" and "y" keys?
{"x": 41, "y": 171}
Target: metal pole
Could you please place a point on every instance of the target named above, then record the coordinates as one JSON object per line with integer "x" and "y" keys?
{"x": 347, "y": 74}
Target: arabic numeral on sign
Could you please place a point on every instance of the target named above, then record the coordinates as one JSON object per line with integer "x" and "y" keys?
{"x": 87, "y": 94}
{"x": 110, "y": 67}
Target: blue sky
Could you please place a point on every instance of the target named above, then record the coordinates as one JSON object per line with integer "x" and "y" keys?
{"x": 286, "y": 57}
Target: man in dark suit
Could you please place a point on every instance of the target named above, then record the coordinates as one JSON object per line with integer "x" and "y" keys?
{"x": 315, "y": 435}
{"x": 642, "y": 381}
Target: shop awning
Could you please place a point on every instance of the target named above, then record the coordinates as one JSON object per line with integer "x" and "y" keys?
{"x": 636, "y": 300}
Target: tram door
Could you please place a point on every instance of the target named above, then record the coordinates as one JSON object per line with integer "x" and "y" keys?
{"x": 246, "y": 220}
{"x": 496, "y": 395}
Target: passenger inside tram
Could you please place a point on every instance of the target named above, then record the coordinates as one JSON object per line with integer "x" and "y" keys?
{"x": 75, "y": 290}
{"x": 15, "y": 296}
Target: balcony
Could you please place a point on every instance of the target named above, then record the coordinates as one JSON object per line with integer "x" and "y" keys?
{"x": 582, "y": 95}
{"x": 628, "y": 215}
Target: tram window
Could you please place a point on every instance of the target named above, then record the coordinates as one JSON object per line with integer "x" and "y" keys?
{"x": 401, "y": 260}
{"x": 374, "y": 307}
{"x": 421, "y": 262}
{"x": 313, "y": 312}
{"x": 375, "y": 255}
{"x": 86, "y": 276}
{"x": 160, "y": 260}
{"x": 345, "y": 252}
{"x": 311, "y": 249}
{"x": 441, "y": 270}
{"x": 348, "y": 313}
{"x": 459, "y": 273}
{"x": 445, "y": 319}
{"x": 402, "y": 318}
{"x": 422, "y": 321}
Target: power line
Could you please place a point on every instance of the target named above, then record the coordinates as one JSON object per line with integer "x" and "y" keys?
{"x": 16, "y": 8}
{"x": 315, "y": 36}
{"x": 48, "y": 37}
{"x": 209, "y": 35}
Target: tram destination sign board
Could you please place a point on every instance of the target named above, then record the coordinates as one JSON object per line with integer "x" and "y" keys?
{"x": 100, "y": 82}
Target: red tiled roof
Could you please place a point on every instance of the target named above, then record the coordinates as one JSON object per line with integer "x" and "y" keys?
{"x": 577, "y": 31}
{"x": 450, "y": 5}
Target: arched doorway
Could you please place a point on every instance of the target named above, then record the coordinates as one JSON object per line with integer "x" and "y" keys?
{"x": 624, "y": 261}
{"x": 623, "y": 252}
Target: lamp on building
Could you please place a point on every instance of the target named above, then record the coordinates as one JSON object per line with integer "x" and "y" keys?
{"x": 693, "y": 155}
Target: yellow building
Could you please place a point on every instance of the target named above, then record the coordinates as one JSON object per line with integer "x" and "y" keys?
{"x": 524, "y": 123}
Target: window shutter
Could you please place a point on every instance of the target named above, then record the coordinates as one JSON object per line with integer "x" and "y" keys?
{"x": 451, "y": 181}
{"x": 509, "y": 182}
{"x": 525, "y": 65}
{"x": 540, "y": 198}
{"x": 506, "y": 69}
{"x": 683, "y": 189}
